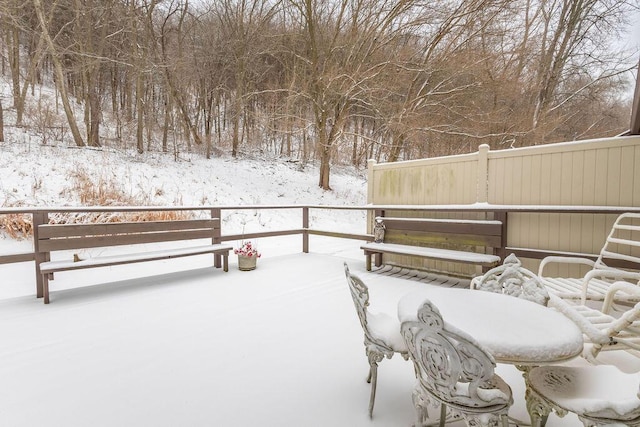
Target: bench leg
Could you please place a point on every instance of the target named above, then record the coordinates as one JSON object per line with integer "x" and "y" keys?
{"x": 40, "y": 285}
{"x": 225, "y": 261}
{"x": 368, "y": 256}
{"x": 45, "y": 288}
{"x": 378, "y": 260}
{"x": 217, "y": 261}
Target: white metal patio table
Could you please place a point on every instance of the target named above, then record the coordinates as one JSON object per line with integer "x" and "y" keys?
{"x": 515, "y": 331}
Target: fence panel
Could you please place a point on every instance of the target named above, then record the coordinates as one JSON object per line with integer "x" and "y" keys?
{"x": 602, "y": 172}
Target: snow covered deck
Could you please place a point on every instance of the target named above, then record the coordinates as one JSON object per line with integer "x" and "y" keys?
{"x": 277, "y": 346}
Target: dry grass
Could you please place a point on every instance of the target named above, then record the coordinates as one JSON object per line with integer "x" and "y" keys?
{"x": 16, "y": 226}
{"x": 90, "y": 192}
{"x": 103, "y": 217}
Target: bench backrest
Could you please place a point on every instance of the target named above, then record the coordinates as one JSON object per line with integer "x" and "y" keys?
{"x": 56, "y": 237}
{"x": 443, "y": 232}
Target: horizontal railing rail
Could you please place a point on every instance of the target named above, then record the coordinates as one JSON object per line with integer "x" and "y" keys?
{"x": 40, "y": 215}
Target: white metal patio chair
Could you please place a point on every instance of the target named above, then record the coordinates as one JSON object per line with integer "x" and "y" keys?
{"x": 621, "y": 248}
{"x": 382, "y": 336}
{"x": 602, "y": 330}
{"x": 600, "y": 395}
{"x": 453, "y": 370}
{"x": 511, "y": 278}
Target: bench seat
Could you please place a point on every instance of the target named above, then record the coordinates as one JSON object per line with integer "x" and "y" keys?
{"x": 486, "y": 260}
{"x": 218, "y": 249}
{"x": 474, "y": 242}
{"x": 50, "y": 238}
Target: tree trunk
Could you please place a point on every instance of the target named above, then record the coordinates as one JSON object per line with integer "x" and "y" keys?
{"x": 139, "y": 113}
{"x": 14, "y": 63}
{"x": 325, "y": 167}
{"x": 165, "y": 125}
{"x": 1, "y": 122}
{"x": 236, "y": 127}
{"x": 94, "y": 118}
{"x": 396, "y": 147}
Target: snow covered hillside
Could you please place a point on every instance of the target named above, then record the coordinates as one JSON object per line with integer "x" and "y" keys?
{"x": 35, "y": 174}
{"x": 48, "y": 175}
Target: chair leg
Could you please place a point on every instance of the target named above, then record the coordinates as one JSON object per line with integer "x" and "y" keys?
{"x": 537, "y": 408}
{"x": 374, "y": 358}
{"x": 443, "y": 414}
{"x": 373, "y": 373}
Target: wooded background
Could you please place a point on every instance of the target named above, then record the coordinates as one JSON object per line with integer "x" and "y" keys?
{"x": 337, "y": 81}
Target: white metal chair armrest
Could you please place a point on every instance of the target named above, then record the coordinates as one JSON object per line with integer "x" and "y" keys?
{"x": 619, "y": 287}
{"x": 612, "y": 274}
{"x": 594, "y": 334}
{"x": 563, "y": 260}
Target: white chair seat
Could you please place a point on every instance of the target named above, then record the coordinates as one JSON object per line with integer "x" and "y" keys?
{"x": 387, "y": 329}
{"x": 600, "y": 391}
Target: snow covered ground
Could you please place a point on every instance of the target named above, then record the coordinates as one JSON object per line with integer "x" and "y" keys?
{"x": 277, "y": 346}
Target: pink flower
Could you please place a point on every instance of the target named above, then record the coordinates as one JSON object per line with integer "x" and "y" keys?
{"x": 247, "y": 249}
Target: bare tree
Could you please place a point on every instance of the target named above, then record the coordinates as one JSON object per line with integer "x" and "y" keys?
{"x": 344, "y": 44}
{"x": 168, "y": 51}
{"x": 59, "y": 71}
{"x": 571, "y": 44}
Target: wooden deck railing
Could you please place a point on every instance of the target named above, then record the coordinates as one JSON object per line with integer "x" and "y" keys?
{"x": 41, "y": 216}
{"x": 502, "y": 212}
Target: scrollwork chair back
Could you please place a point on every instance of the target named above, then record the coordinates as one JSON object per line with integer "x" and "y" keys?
{"x": 454, "y": 371}
{"x": 511, "y": 278}
{"x": 381, "y": 332}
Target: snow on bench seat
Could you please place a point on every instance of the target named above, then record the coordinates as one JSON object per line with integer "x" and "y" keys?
{"x": 55, "y": 266}
{"x": 432, "y": 253}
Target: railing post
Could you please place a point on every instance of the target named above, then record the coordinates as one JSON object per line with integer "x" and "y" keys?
{"x": 370, "y": 193}
{"x": 37, "y": 219}
{"x": 502, "y": 250}
{"x": 482, "y": 194}
{"x": 305, "y": 229}
{"x": 217, "y": 233}
{"x": 370, "y": 181}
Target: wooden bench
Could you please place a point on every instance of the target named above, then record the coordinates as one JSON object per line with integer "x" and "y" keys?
{"x": 68, "y": 237}
{"x": 449, "y": 240}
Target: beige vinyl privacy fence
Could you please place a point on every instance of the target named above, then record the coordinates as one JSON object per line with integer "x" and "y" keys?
{"x": 581, "y": 174}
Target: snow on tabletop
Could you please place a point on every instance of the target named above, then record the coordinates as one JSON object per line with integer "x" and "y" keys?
{"x": 511, "y": 329}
